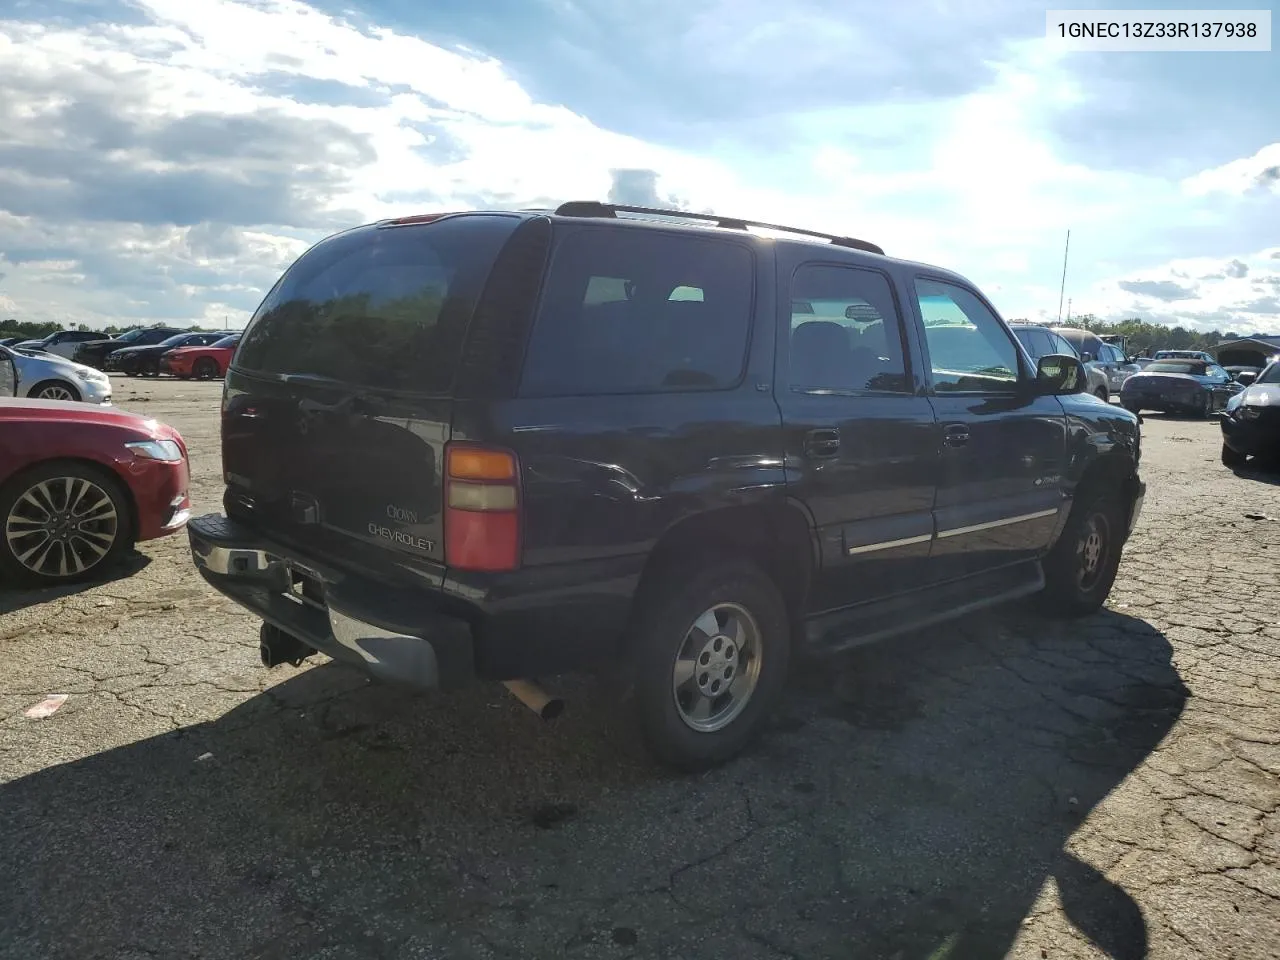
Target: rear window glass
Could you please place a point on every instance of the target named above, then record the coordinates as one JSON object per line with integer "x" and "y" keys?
{"x": 384, "y": 307}
{"x": 1193, "y": 367}
{"x": 632, "y": 311}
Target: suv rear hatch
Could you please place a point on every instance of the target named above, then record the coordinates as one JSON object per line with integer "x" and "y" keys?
{"x": 339, "y": 400}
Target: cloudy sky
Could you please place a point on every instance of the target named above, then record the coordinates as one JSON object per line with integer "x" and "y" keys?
{"x": 165, "y": 159}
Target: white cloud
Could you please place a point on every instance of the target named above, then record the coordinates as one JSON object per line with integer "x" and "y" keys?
{"x": 1240, "y": 294}
{"x": 1260, "y": 172}
{"x": 164, "y": 171}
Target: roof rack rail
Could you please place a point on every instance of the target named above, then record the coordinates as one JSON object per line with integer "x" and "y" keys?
{"x": 594, "y": 208}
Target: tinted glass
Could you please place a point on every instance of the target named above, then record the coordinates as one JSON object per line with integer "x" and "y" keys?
{"x": 379, "y": 307}
{"x": 1060, "y": 344}
{"x": 1037, "y": 340}
{"x": 226, "y": 342}
{"x": 1269, "y": 374}
{"x": 969, "y": 350}
{"x": 638, "y": 311}
{"x": 1193, "y": 367}
{"x": 847, "y": 336}
{"x": 177, "y": 340}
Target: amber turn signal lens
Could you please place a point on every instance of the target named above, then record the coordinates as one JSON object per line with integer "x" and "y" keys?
{"x": 465, "y": 464}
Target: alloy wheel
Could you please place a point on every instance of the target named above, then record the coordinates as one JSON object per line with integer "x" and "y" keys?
{"x": 1092, "y": 551}
{"x": 717, "y": 667}
{"x": 55, "y": 391}
{"x": 61, "y": 527}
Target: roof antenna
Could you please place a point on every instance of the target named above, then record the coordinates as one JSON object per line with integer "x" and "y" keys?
{"x": 1063, "y": 288}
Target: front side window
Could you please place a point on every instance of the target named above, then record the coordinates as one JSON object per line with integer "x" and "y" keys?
{"x": 847, "y": 336}
{"x": 632, "y": 311}
{"x": 969, "y": 350}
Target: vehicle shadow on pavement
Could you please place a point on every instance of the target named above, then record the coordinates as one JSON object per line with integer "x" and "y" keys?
{"x": 11, "y": 601}
{"x": 911, "y": 800}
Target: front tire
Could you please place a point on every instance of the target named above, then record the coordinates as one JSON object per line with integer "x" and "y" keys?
{"x": 1134, "y": 408}
{"x": 1232, "y": 458}
{"x": 1082, "y": 565}
{"x": 712, "y": 657}
{"x": 62, "y": 523}
{"x": 206, "y": 368}
{"x": 54, "y": 390}
{"x": 1101, "y": 394}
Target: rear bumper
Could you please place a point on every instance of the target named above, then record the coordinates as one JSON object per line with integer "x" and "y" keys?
{"x": 391, "y": 634}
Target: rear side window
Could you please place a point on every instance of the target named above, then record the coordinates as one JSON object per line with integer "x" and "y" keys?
{"x": 848, "y": 336}
{"x": 378, "y": 307}
{"x": 636, "y": 311}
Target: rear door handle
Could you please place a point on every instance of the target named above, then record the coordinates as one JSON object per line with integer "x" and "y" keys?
{"x": 955, "y": 435}
{"x": 822, "y": 443}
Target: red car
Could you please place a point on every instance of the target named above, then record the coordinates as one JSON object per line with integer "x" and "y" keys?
{"x": 79, "y": 484}
{"x": 203, "y": 363}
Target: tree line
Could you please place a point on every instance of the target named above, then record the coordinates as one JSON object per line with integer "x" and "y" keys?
{"x": 1145, "y": 337}
{"x": 31, "y": 330}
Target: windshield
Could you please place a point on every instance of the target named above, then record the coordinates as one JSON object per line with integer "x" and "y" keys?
{"x": 1193, "y": 367}
{"x": 175, "y": 340}
{"x": 1270, "y": 375}
{"x": 226, "y": 341}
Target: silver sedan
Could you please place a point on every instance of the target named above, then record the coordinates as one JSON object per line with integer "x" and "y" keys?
{"x": 46, "y": 376}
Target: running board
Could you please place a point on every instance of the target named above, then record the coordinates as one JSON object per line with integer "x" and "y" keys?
{"x": 868, "y": 622}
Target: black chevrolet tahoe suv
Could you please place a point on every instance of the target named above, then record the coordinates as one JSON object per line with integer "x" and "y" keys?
{"x": 504, "y": 445}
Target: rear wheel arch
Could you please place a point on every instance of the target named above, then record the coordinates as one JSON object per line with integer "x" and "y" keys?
{"x": 777, "y": 538}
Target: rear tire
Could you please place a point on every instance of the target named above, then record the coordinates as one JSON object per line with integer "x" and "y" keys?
{"x": 1101, "y": 394}
{"x": 701, "y": 636}
{"x": 1082, "y": 565}
{"x": 1206, "y": 409}
{"x": 1232, "y": 458}
{"x": 1134, "y": 408}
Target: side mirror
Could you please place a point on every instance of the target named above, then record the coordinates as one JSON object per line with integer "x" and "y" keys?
{"x": 1246, "y": 377}
{"x": 1087, "y": 357}
{"x": 8, "y": 376}
{"x": 1057, "y": 374}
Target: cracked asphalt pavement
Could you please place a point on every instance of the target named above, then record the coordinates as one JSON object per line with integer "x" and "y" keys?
{"x": 1004, "y": 786}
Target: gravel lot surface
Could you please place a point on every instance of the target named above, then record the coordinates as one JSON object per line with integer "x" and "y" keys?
{"x": 1008, "y": 785}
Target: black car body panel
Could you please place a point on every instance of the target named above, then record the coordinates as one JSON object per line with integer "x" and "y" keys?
{"x": 1205, "y": 388}
{"x": 1251, "y": 420}
{"x": 663, "y": 390}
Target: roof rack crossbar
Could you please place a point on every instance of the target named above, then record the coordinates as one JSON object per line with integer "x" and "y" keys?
{"x": 594, "y": 208}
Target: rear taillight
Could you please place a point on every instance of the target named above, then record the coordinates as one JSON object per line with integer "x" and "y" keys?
{"x": 482, "y": 508}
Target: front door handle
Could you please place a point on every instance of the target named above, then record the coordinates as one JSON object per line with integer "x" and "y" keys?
{"x": 955, "y": 435}
{"x": 822, "y": 443}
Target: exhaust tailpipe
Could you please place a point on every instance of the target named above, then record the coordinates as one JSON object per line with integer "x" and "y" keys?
{"x": 276, "y": 647}
{"x": 535, "y": 698}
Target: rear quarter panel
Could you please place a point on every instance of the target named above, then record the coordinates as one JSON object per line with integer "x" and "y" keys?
{"x": 604, "y": 478}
